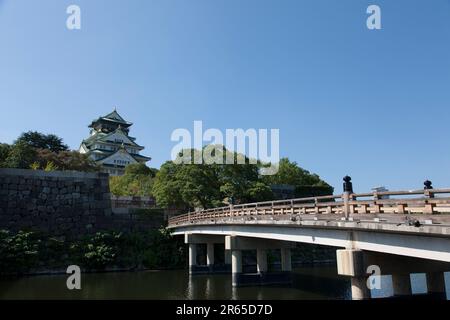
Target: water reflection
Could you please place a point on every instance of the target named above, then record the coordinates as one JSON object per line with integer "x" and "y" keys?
{"x": 308, "y": 283}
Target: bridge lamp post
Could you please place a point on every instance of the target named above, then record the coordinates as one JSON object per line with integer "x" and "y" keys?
{"x": 348, "y": 190}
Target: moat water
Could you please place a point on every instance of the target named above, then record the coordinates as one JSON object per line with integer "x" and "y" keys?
{"x": 320, "y": 282}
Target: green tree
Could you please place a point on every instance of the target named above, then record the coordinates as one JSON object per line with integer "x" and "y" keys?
{"x": 167, "y": 188}
{"x": 65, "y": 160}
{"x": 208, "y": 185}
{"x": 43, "y": 141}
{"x": 137, "y": 181}
{"x": 259, "y": 191}
{"x": 137, "y": 168}
{"x": 21, "y": 155}
{"x": 4, "y": 152}
{"x": 291, "y": 173}
{"x": 140, "y": 169}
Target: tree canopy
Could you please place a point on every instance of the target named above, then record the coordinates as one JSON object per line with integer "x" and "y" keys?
{"x": 36, "y": 150}
{"x": 20, "y": 155}
{"x": 181, "y": 183}
{"x": 137, "y": 181}
{"x": 63, "y": 160}
{"x": 39, "y": 140}
{"x": 291, "y": 173}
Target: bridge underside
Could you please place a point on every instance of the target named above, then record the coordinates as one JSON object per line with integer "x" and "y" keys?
{"x": 370, "y": 237}
{"x": 394, "y": 253}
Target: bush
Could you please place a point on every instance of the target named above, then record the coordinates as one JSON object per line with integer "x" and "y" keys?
{"x": 165, "y": 251}
{"x": 19, "y": 252}
{"x": 29, "y": 251}
{"x": 98, "y": 251}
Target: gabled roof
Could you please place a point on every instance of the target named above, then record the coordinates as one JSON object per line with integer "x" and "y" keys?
{"x": 119, "y": 130}
{"x": 115, "y": 117}
{"x": 120, "y": 150}
{"x": 140, "y": 156}
{"x": 95, "y": 137}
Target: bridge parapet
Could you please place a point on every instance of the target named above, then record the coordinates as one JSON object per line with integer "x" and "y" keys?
{"x": 429, "y": 205}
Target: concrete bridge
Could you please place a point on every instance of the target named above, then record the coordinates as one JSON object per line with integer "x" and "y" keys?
{"x": 399, "y": 232}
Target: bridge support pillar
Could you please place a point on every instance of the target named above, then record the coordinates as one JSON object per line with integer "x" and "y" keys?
{"x": 350, "y": 263}
{"x": 436, "y": 284}
{"x": 194, "y": 240}
{"x": 236, "y": 267}
{"x": 227, "y": 257}
{"x": 262, "y": 277}
{"x": 286, "y": 264}
{"x": 210, "y": 255}
{"x": 401, "y": 285}
{"x": 261, "y": 260}
{"x": 360, "y": 291}
{"x": 192, "y": 257}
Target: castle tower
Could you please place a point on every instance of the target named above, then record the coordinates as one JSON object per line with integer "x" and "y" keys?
{"x": 110, "y": 146}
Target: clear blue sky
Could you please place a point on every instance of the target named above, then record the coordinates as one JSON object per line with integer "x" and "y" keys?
{"x": 347, "y": 100}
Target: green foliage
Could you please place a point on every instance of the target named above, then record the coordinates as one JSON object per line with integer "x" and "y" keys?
{"x": 43, "y": 141}
{"x": 34, "y": 150}
{"x": 155, "y": 249}
{"x": 4, "y": 152}
{"x": 66, "y": 160}
{"x": 180, "y": 183}
{"x": 23, "y": 251}
{"x": 259, "y": 191}
{"x": 35, "y": 166}
{"x": 50, "y": 166}
{"x": 137, "y": 181}
{"x": 21, "y": 155}
{"x": 291, "y": 174}
{"x": 140, "y": 169}
{"x": 18, "y": 252}
{"x": 165, "y": 250}
{"x": 97, "y": 251}
{"x": 167, "y": 187}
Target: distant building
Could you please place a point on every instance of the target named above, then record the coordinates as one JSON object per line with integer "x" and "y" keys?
{"x": 110, "y": 146}
{"x": 283, "y": 191}
{"x": 381, "y": 189}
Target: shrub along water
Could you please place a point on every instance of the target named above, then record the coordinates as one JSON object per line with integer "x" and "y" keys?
{"x": 29, "y": 252}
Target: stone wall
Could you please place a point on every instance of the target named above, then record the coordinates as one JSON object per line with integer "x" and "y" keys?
{"x": 132, "y": 202}
{"x": 134, "y": 206}
{"x": 59, "y": 202}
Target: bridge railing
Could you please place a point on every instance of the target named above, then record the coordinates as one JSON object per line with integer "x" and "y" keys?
{"x": 428, "y": 201}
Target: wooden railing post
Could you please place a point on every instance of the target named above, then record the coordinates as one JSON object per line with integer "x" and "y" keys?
{"x": 316, "y": 206}
{"x": 376, "y": 206}
{"x": 351, "y": 207}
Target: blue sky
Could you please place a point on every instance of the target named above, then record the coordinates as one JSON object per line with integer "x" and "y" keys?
{"x": 347, "y": 100}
